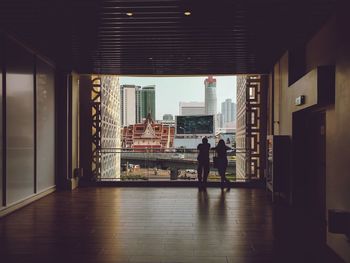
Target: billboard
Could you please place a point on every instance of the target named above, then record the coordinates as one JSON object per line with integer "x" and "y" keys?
{"x": 195, "y": 125}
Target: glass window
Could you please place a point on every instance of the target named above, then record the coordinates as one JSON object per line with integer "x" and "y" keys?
{"x": 19, "y": 122}
{"x": 45, "y": 125}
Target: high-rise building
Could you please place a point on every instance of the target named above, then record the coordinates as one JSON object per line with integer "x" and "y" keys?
{"x": 129, "y": 104}
{"x": 228, "y": 110}
{"x": 138, "y": 103}
{"x": 191, "y": 108}
{"x": 168, "y": 117}
{"x": 148, "y": 102}
{"x": 210, "y": 96}
{"x": 219, "y": 120}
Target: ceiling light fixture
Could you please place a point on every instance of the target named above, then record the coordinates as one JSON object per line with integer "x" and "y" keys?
{"x": 187, "y": 13}
{"x": 129, "y": 14}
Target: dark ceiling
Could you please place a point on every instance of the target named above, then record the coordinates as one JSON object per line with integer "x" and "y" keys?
{"x": 219, "y": 37}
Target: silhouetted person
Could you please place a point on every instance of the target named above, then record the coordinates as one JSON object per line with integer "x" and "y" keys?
{"x": 221, "y": 151}
{"x": 203, "y": 163}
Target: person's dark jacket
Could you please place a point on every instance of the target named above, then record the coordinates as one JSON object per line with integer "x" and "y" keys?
{"x": 203, "y": 154}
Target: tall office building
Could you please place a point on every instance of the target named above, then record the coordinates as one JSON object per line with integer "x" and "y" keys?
{"x": 138, "y": 105}
{"x": 219, "y": 120}
{"x": 228, "y": 110}
{"x": 148, "y": 102}
{"x": 129, "y": 104}
{"x": 191, "y": 108}
{"x": 210, "y": 96}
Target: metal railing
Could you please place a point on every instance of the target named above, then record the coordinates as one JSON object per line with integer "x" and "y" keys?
{"x": 150, "y": 164}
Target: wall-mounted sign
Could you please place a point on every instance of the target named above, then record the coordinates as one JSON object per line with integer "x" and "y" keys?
{"x": 300, "y": 100}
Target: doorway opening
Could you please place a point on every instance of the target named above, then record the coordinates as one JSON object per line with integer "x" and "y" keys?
{"x": 148, "y": 128}
{"x": 309, "y": 154}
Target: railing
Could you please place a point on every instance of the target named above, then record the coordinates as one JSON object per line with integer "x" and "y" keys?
{"x": 149, "y": 164}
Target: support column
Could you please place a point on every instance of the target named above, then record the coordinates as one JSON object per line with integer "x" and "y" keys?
{"x": 67, "y": 139}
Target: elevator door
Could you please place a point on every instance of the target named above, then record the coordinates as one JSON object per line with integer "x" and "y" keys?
{"x": 309, "y": 158}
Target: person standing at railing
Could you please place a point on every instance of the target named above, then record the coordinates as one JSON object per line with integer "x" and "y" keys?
{"x": 203, "y": 163}
{"x": 221, "y": 152}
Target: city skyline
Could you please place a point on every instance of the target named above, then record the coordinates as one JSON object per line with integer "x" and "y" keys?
{"x": 170, "y": 91}
{"x": 136, "y": 103}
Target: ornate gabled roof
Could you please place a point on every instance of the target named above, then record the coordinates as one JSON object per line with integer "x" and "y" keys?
{"x": 149, "y": 132}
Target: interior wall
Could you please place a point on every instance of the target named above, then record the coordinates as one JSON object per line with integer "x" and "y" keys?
{"x": 275, "y": 118}
{"x": 67, "y": 150}
{"x": 75, "y": 124}
{"x": 269, "y": 113}
{"x": 338, "y": 176}
{"x": 1, "y": 120}
{"x": 27, "y": 129}
{"x": 329, "y": 46}
{"x": 85, "y": 112}
{"x": 285, "y": 121}
{"x": 283, "y": 94}
{"x": 338, "y": 166}
{"x": 62, "y": 112}
{"x": 321, "y": 49}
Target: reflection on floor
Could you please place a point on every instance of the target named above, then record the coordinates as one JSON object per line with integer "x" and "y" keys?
{"x": 159, "y": 225}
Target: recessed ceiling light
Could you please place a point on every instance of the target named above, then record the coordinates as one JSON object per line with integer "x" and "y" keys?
{"x": 150, "y": 58}
{"x": 129, "y": 14}
{"x": 187, "y": 13}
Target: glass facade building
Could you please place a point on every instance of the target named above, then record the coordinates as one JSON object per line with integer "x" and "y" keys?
{"x": 148, "y": 102}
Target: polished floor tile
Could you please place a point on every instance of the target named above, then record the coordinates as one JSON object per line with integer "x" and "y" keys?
{"x": 159, "y": 225}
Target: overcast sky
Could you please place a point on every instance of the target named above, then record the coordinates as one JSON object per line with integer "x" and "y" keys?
{"x": 171, "y": 90}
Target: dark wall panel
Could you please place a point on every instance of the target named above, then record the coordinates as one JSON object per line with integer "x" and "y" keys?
{"x": 45, "y": 125}
{"x": 19, "y": 122}
{"x": 1, "y": 126}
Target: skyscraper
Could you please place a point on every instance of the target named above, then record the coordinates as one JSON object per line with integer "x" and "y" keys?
{"x": 138, "y": 105}
{"x": 228, "y": 110}
{"x": 210, "y": 99}
{"x": 129, "y": 104}
{"x": 219, "y": 120}
{"x": 191, "y": 108}
{"x": 210, "y": 96}
{"x": 148, "y": 102}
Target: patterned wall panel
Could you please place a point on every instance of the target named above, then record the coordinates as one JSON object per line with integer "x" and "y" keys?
{"x": 248, "y": 134}
{"x": 241, "y": 128}
{"x": 110, "y": 127}
{"x": 105, "y": 110}
{"x": 96, "y": 127}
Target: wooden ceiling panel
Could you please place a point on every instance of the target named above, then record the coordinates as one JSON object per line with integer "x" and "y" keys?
{"x": 156, "y": 37}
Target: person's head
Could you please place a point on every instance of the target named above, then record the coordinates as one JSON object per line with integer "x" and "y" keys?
{"x": 205, "y": 140}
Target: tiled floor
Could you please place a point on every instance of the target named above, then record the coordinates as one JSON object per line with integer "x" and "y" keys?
{"x": 159, "y": 225}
